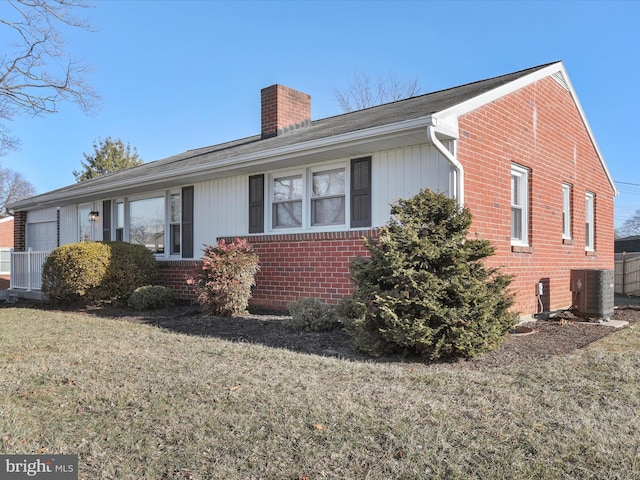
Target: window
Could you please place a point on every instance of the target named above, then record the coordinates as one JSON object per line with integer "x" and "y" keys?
{"x": 287, "y": 201}
{"x": 589, "y": 241}
{"x": 321, "y": 196}
{"x": 146, "y": 223}
{"x": 119, "y": 221}
{"x": 328, "y": 197}
{"x": 519, "y": 205}
{"x": 566, "y": 211}
{"x": 174, "y": 223}
{"x": 162, "y": 222}
{"x": 5, "y": 260}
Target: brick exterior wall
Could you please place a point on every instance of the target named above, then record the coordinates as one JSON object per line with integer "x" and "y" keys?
{"x": 6, "y": 233}
{"x": 305, "y": 265}
{"x": 539, "y": 127}
{"x": 291, "y": 266}
{"x": 174, "y": 274}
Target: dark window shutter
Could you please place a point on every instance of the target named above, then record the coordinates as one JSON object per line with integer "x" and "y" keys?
{"x": 256, "y": 203}
{"x": 361, "y": 192}
{"x": 106, "y": 220}
{"x": 187, "y": 222}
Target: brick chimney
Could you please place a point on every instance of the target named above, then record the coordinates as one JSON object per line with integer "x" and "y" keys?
{"x": 283, "y": 109}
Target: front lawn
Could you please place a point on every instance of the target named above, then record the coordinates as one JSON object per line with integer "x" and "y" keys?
{"x": 136, "y": 401}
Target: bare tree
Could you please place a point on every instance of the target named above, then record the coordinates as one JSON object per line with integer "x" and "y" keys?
{"x": 365, "y": 93}
{"x": 36, "y": 73}
{"x": 630, "y": 227}
{"x": 13, "y": 187}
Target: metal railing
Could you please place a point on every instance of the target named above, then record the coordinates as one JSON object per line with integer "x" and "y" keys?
{"x": 26, "y": 269}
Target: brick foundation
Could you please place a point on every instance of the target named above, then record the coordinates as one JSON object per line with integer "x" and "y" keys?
{"x": 174, "y": 274}
{"x": 292, "y": 266}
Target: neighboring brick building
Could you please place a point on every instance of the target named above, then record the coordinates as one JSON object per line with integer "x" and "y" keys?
{"x": 6, "y": 244}
{"x": 516, "y": 150}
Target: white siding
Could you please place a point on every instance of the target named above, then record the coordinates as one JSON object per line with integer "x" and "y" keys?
{"x": 220, "y": 209}
{"x": 221, "y": 206}
{"x": 402, "y": 173}
{"x": 69, "y": 232}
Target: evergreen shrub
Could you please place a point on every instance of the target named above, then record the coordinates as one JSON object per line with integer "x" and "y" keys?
{"x": 425, "y": 287}
{"x": 130, "y": 266}
{"x": 73, "y": 272}
{"x": 312, "y": 314}
{"x": 224, "y": 279}
{"x": 94, "y": 271}
{"x": 151, "y": 297}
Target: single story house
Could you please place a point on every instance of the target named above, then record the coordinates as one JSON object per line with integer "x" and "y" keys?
{"x": 516, "y": 149}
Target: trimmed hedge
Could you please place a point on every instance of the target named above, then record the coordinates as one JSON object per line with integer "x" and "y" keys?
{"x": 75, "y": 271}
{"x": 94, "y": 271}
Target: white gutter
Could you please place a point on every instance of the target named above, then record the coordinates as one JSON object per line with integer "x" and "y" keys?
{"x": 459, "y": 181}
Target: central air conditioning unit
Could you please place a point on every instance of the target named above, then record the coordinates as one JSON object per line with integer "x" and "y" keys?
{"x": 593, "y": 295}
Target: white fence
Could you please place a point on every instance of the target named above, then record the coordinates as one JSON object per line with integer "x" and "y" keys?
{"x": 26, "y": 269}
{"x": 627, "y": 275}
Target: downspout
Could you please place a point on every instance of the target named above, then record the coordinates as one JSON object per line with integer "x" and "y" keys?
{"x": 457, "y": 166}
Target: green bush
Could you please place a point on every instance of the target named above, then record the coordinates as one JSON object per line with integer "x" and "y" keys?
{"x": 151, "y": 297}
{"x": 131, "y": 266}
{"x": 224, "y": 279}
{"x": 74, "y": 272}
{"x": 312, "y": 314}
{"x": 425, "y": 286}
{"x": 94, "y": 271}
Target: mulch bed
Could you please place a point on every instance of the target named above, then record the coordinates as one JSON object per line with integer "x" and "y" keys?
{"x": 551, "y": 337}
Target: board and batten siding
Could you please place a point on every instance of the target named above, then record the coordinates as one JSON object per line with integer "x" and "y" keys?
{"x": 402, "y": 173}
{"x": 69, "y": 229}
{"x": 219, "y": 210}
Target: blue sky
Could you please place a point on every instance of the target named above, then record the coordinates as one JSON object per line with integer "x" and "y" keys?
{"x": 176, "y": 75}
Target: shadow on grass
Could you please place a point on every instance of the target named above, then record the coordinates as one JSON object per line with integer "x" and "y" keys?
{"x": 260, "y": 328}
{"x": 551, "y": 338}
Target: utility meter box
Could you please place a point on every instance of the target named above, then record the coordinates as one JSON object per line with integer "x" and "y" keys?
{"x": 593, "y": 295}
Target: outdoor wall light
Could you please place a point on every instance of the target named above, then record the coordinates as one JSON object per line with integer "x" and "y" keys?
{"x": 94, "y": 216}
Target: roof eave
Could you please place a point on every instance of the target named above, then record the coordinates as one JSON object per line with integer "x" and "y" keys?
{"x": 348, "y": 141}
{"x": 462, "y": 108}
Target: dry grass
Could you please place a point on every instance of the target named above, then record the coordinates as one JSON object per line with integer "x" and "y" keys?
{"x": 138, "y": 402}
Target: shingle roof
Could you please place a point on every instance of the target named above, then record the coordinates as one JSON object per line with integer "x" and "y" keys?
{"x": 386, "y": 114}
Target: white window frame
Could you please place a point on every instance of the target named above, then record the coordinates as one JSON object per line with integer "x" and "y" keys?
{"x": 272, "y": 202}
{"x": 172, "y": 222}
{"x": 566, "y": 211}
{"x": 166, "y": 196}
{"x": 321, "y": 169}
{"x": 120, "y": 219}
{"x": 521, "y": 176}
{"x": 307, "y": 194}
{"x": 589, "y": 220}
